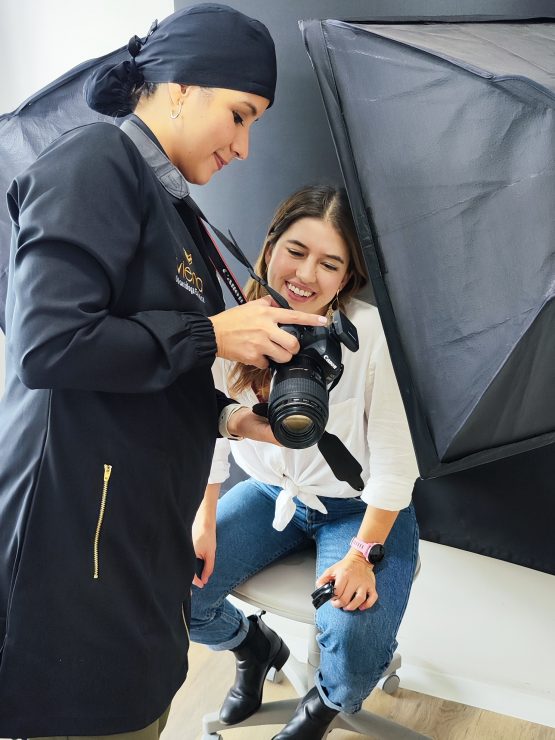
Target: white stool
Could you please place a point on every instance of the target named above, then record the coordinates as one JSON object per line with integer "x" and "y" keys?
{"x": 284, "y": 589}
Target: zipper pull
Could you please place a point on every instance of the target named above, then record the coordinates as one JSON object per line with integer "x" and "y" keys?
{"x": 107, "y": 473}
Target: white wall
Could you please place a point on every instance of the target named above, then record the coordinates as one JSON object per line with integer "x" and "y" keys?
{"x": 482, "y": 632}
{"x": 42, "y": 39}
{"x": 2, "y": 368}
{"x": 477, "y": 630}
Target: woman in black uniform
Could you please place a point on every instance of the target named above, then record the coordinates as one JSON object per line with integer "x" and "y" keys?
{"x": 114, "y": 318}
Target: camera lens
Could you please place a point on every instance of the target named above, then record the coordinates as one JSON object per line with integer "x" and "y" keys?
{"x": 298, "y": 403}
{"x": 298, "y": 423}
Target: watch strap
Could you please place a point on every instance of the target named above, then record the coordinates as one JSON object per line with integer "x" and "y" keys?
{"x": 364, "y": 547}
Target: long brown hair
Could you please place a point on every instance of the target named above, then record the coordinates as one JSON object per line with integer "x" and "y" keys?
{"x": 315, "y": 201}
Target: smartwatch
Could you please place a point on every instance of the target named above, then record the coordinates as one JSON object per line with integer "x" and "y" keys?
{"x": 372, "y": 551}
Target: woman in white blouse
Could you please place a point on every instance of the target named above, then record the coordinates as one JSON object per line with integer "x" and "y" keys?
{"x": 367, "y": 543}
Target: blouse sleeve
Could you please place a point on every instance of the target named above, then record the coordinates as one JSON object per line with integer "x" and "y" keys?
{"x": 77, "y": 222}
{"x": 219, "y": 472}
{"x": 393, "y": 468}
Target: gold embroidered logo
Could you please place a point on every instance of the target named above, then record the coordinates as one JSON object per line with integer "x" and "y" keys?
{"x": 186, "y": 276}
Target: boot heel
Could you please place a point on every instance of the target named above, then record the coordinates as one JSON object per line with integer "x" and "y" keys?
{"x": 281, "y": 658}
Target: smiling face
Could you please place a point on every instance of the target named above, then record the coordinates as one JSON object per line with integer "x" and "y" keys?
{"x": 211, "y": 128}
{"x": 308, "y": 264}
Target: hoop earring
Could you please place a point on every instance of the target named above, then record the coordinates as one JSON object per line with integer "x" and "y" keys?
{"x": 179, "y": 107}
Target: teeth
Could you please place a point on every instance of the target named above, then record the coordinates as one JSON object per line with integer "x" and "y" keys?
{"x": 298, "y": 291}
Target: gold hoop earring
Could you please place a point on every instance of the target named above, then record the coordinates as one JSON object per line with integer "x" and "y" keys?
{"x": 176, "y": 115}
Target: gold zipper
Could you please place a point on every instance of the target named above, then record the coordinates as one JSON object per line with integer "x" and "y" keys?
{"x": 107, "y": 474}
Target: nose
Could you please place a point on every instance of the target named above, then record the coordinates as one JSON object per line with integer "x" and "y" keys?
{"x": 240, "y": 145}
{"x": 306, "y": 271}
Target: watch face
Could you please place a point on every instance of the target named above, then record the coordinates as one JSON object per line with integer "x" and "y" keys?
{"x": 376, "y": 554}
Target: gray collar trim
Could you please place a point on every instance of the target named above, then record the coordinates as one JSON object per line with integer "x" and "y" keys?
{"x": 167, "y": 173}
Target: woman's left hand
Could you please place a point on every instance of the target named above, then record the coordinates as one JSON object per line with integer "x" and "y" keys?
{"x": 355, "y": 583}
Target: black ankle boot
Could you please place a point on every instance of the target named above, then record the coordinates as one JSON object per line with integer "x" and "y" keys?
{"x": 310, "y": 721}
{"x": 261, "y": 650}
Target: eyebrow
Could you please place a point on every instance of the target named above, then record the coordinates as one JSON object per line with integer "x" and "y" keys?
{"x": 251, "y": 107}
{"x": 327, "y": 256}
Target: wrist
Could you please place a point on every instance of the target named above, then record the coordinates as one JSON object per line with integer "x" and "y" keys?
{"x": 206, "y": 514}
{"x": 355, "y": 556}
{"x": 203, "y": 527}
{"x": 373, "y": 552}
{"x": 229, "y": 419}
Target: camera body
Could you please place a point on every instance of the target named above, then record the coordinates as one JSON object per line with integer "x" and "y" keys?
{"x": 298, "y": 407}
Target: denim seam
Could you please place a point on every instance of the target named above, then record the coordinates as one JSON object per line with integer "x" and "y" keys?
{"x": 414, "y": 560}
{"x": 391, "y": 652}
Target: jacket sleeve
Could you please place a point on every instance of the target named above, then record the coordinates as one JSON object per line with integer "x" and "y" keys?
{"x": 393, "y": 468}
{"x": 77, "y": 225}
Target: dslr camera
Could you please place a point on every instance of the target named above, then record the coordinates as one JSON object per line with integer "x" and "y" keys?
{"x": 298, "y": 407}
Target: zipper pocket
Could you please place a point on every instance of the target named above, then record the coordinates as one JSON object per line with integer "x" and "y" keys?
{"x": 107, "y": 474}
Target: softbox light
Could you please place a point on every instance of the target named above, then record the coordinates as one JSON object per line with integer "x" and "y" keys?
{"x": 34, "y": 125}
{"x": 445, "y": 135}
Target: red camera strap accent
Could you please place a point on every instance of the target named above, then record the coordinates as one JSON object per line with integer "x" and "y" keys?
{"x": 221, "y": 266}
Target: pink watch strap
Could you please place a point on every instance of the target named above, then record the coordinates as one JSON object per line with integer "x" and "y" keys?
{"x": 366, "y": 547}
{"x": 361, "y": 546}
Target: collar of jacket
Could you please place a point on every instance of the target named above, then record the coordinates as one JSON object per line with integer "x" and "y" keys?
{"x": 167, "y": 173}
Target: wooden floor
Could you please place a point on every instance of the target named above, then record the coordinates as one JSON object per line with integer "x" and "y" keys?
{"x": 211, "y": 674}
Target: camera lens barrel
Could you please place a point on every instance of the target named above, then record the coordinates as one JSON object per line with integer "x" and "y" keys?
{"x": 298, "y": 404}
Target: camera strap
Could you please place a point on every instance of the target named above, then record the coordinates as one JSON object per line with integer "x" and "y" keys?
{"x": 220, "y": 264}
{"x": 343, "y": 465}
{"x": 177, "y": 186}
{"x": 213, "y": 253}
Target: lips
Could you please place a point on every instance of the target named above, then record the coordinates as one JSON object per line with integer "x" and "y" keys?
{"x": 292, "y": 288}
{"x": 219, "y": 161}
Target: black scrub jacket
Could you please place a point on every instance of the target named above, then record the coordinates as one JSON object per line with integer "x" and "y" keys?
{"x": 107, "y": 431}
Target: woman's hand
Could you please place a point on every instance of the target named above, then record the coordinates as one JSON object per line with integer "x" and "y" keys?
{"x": 204, "y": 542}
{"x": 355, "y": 582}
{"x": 245, "y": 423}
{"x": 250, "y": 333}
{"x": 204, "y": 533}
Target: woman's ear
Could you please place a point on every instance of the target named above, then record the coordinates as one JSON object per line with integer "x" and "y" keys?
{"x": 347, "y": 277}
{"x": 268, "y": 253}
{"x": 175, "y": 92}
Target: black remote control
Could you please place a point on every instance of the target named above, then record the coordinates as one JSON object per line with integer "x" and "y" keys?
{"x": 322, "y": 594}
{"x": 199, "y": 567}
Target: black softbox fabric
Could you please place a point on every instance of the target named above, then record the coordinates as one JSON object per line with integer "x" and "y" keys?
{"x": 445, "y": 135}
{"x": 37, "y": 122}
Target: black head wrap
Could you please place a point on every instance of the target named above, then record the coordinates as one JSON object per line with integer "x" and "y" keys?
{"x": 208, "y": 45}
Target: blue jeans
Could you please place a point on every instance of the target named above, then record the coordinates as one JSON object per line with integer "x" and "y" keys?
{"x": 356, "y": 647}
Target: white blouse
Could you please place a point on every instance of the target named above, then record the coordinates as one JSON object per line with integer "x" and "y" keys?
{"x": 366, "y": 413}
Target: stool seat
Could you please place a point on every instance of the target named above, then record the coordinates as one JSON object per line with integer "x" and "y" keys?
{"x": 284, "y": 587}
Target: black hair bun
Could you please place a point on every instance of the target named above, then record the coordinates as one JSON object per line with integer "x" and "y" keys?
{"x": 110, "y": 88}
